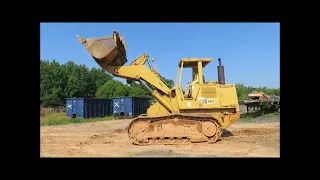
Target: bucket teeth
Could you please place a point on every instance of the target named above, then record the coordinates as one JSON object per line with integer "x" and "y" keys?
{"x": 123, "y": 41}
{"x": 82, "y": 40}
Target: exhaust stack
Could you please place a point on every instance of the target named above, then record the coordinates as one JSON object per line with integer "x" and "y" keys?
{"x": 221, "y": 78}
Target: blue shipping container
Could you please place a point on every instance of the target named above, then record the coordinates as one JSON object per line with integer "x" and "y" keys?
{"x": 88, "y": 107}
{"x": 130, "y": 106}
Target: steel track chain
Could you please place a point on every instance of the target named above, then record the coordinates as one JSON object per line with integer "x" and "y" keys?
{"x": 175, "y": 140}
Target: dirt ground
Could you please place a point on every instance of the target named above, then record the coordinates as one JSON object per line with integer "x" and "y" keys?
{"x": 108, "y": 139}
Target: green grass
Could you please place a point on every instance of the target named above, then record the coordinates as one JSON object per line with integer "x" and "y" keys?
{"x": 42, "y": 114}
{"x": 253, "y": 115}
{"x": 272, "y": 115}
{"x": 61, "y": 118}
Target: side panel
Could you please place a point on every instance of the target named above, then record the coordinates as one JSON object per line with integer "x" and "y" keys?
{"x": 127, "y": 106}
{"x": 74, "y": 107}
{"x": 88, "y": 107}
{"x": 116, "y": 106}
{"x": 212, "y": 97}
{"x": 130, "y": 106}
{"x": 122, "y": 106}
{"x": 228, "y": 97}
{"x": 108, "y": 107}
{"x": 105, "y": 107}
{"x": 79, "y": 107}
{"x": 157, "y": 110}
{"x": 69, "y": 107}
{"x": 96, "y": 108}
{"x": 140, "y": 106}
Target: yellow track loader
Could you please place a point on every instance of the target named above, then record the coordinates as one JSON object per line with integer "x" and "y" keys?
{"x": 197, "y": 115}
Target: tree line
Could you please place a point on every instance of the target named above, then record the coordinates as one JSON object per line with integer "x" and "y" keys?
{"x": 60, "y": 81}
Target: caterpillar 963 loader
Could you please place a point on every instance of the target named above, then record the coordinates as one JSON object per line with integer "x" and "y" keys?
{"x": 176, "y": 118}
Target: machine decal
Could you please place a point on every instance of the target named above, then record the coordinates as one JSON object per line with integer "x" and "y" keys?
{"x": 211, "y": 101}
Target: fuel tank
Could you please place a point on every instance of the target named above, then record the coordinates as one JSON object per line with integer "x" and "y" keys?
{"x": 106, "y": 51}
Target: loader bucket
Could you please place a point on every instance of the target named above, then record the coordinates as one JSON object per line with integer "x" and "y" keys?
{"x": 107, "y": 51}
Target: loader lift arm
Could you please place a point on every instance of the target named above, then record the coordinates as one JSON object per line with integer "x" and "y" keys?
{"x": 139, "y": 73}
{"x": 141, "y": 60}
{"x": 109, "y": 51}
